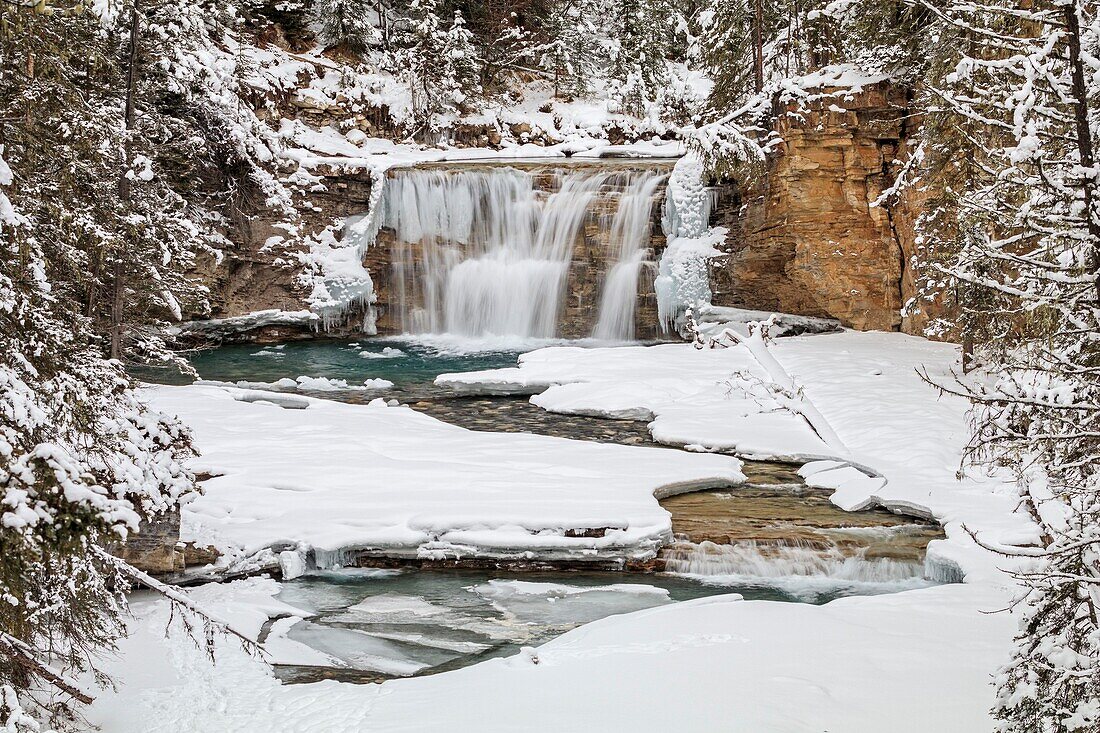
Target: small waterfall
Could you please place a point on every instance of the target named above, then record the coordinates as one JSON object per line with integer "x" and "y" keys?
{"x": 630, "y": 231}
{"x": 749, "y": 559}
{"x": 488, "y": 251}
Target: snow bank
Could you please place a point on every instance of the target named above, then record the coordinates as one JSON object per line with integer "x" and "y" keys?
{"x": 394, "y": 481}
{"x": 905, "y": 440}
{"x": 218, "y": 328}
{"x": 908, "y": 663}
{"x": 304, "y": 383}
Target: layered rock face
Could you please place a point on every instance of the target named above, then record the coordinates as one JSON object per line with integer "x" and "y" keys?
{"x": 808, "y": 238}
{"x": 260, "y": 270}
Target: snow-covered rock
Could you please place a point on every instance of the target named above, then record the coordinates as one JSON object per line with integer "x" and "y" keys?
{"x": 394, "y": 481}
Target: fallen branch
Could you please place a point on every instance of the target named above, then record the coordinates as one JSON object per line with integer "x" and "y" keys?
{"x": 796, "y": 401}
{"x": 179, "y": 597}
{"x": 23, "y": 655}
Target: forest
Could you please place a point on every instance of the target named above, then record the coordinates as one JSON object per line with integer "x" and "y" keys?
{"x": 140, "y": 141}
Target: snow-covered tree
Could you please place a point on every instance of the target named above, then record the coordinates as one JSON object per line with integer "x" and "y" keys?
{"x": 575, "y": 51}
{"x": 440, "y": 66}
{"x": 641, "y": 32}
{"x": 347, "y": 23}
{"x": 1011, "y": 137}
{"x": 109, "y": 119}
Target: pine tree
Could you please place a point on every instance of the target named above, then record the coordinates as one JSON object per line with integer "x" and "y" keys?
{"x": 641, "y": 32}
{"x": 574, "y": 53}
{"x": 347, "y": 23}
{"x": 440, "y": 67}
{"x": 106, "y": 122}
{"x": 1011, "y": 143}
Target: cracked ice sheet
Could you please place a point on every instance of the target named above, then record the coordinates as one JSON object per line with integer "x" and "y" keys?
{"x": 908, "y": 662}
{"x": 866, "y": 386}
{"x": 334, "y": 476}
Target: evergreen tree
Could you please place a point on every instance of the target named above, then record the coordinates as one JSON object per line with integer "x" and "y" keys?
{"x": 1015, "y": 113}
{"x": 574, "y": 52}
{"x": 440, "y": 67}
{"x": 347, "y": 23}
{"x": 641, "y": 33}
{"x": 106, "y": 124}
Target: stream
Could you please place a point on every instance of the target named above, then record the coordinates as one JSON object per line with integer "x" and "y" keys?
{"x": 772, "y": 538}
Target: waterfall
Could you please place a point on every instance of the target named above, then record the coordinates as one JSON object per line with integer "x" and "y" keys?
{"x": 630, "y": 232}
{"x": 749, "y": 559}
{"x": 488, "y": 251}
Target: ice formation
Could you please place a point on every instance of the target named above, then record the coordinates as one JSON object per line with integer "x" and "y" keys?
{"x": 682, "y": 280}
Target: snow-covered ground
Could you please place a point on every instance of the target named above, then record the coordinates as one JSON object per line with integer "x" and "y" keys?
{"x": 335, "y": 476}
{"x": 906, "y": 439}
{"x": 909, "y": 662}
{"x": 918, "y": 660}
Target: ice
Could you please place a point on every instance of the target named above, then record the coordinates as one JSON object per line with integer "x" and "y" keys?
{"x": 556, "y": 604}
{"x": 393, "y": 608}
{"x": 436, "y": 642}
{"x": 682, "y": 281}
{"x": 283, "y": 650}
{"x": 358, "y": 649}
{"x": 387, "y": 352}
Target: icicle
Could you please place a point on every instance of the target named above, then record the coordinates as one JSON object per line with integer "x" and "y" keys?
{"x": 683, "y": 281}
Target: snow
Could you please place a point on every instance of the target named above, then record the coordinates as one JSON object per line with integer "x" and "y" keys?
{"x": 304, "y": 383}
{"x": 711, "y": 320}
{"x": 216, "y": 328}
{"x": 916, "y": 660}
{"x": 907, "y": 662}
{"x": 849, "y": 78}
{"x": 900, "y": 442}
{"x": 336, "y": 476}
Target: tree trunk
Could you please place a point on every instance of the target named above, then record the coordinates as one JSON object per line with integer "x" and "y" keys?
{"x": 758, "y": 45}
{"x": 118, "y": 296}
{"x": 1084, "y": 134}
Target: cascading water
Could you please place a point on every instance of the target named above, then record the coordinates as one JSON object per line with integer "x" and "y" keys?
{"x": 487, "y": 251}
{"x": 802, "y": 571}
{"x": 776, "y": 560}
{"x": 630, "y": 232}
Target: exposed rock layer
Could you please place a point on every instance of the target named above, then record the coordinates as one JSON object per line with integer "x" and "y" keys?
{"x": 808, "y": 238}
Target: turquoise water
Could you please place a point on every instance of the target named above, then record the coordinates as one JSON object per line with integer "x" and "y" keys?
{"x": 404, "y": 362}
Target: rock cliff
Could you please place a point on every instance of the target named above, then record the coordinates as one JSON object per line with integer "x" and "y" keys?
{"x": 809, "y": 238}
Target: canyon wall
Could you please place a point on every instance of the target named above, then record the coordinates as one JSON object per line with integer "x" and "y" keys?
{"x": 808, "y": 237}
